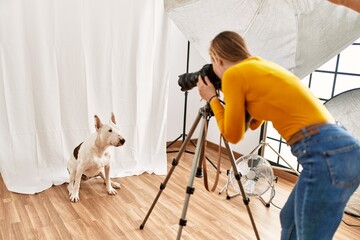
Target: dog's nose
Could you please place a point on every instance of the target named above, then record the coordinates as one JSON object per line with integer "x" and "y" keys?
{"x": 122, "y": 141}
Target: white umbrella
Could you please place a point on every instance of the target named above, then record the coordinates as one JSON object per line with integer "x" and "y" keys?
{"x": 300, "y": 35}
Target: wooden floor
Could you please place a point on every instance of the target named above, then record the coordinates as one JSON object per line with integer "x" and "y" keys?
{"x": 210, "y": 215}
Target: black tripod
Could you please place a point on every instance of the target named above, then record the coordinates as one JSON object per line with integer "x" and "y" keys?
{"x": 205, "y": 113}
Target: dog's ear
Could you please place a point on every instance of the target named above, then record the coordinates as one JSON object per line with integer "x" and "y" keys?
{"x": 113, "y": 118}
{"x": 98, "y": 123}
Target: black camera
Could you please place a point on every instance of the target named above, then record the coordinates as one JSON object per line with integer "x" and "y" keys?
{"x": 189, "y": 80}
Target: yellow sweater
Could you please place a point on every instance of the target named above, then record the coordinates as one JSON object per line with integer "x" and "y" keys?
{"x": 268, "y": 92}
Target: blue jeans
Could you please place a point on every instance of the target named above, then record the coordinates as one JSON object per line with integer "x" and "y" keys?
{"x": 330, "y": 174}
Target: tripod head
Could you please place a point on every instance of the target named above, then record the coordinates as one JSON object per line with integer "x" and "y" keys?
{"x": 206, "y": 111}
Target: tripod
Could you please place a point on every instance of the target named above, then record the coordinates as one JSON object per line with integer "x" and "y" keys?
{"x": 205, "y": 113}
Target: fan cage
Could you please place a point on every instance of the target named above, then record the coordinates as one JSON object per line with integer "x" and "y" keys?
{"x": 256, "y": 173}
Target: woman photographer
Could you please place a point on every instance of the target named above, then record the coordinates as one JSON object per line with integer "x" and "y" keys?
{"x": 328, "y": 154}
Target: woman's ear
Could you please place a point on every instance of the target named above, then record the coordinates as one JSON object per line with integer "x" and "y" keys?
{"x": 220, "y": 62}
{"x": 216, "y": 59}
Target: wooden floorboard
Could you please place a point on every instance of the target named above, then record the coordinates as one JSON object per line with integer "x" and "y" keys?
{"x": 210, "y": 215}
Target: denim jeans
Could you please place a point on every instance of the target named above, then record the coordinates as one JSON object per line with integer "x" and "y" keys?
{"x": 330, "y": 174}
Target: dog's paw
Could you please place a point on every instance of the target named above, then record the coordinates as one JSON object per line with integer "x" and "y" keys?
{"x": 115, "y": 185}
{"x": 74, "y": 197}
{"x": 111, "y": 191}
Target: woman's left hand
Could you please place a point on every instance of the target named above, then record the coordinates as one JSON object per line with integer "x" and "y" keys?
{"x": 206, "y": 89}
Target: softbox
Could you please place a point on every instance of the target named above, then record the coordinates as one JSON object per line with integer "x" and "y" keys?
{"x": 300, "y": 35}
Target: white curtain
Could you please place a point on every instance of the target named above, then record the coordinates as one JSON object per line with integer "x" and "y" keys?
{"x": 61, "y": 62}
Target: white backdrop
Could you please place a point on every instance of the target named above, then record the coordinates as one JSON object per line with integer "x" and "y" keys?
{"x": 61, "y": 62}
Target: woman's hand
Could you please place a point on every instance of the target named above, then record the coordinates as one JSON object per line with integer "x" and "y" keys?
{"x": 207, "y": 89}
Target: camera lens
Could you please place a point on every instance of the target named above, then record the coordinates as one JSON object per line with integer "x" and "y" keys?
{"x": 188, "y": 81}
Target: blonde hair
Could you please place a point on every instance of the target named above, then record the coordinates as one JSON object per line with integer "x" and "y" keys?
{"x": 229, "y": 46}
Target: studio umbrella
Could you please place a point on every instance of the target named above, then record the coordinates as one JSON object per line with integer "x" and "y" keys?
{"x": 300, "y": 35}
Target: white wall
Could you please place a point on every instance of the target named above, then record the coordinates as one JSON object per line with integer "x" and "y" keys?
{"x": 178, "y": 58}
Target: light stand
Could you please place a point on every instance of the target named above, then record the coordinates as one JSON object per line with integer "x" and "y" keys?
{"x": 204, "y": 113}
{"x": 183, "y": 135}
{"x": 261, "y": 150}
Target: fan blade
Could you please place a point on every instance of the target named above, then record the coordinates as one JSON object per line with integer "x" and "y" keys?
{"x": 243, "y": 168}
{"x": 249, "y": 186}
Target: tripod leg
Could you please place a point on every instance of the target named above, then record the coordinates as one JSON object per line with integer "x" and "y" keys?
{"x": 190, "y": 189}
{"x": 174, "y": 163}
{"x": 243, "y": 194}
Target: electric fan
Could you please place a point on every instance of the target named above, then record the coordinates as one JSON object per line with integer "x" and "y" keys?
{"x": 256, "y": 175}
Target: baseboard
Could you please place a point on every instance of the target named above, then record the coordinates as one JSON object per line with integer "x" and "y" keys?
{"x": 215, "y": 147}
{"x": 291, "y": 177}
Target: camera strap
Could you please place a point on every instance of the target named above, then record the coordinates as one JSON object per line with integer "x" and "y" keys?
{"x": 203, "y": 157}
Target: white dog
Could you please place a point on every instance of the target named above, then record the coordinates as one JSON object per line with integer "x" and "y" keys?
{"x": 91, "y": 158}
